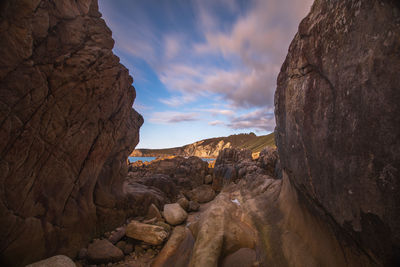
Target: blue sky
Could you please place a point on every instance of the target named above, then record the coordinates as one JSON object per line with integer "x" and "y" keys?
{"x": 203, "y": 68}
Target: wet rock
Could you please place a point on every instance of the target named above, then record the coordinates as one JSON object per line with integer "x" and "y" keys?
{"x": 56, "y": 261}
{"x": 102, "y": 251}
{"x": 202, "y": 194}
{"x": 151, "y": 234}
{"x": 174, "y": 214}
{"x": 184, "y": 203}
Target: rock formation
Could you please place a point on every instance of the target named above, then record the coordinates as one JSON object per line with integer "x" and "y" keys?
{"x": 66, "y": 125}
{"x": 210, "y": 148}
{"x": 338, "y": 123}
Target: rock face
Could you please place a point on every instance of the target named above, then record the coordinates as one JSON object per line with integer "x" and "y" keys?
{"x": 338, "y": 121}
{"x": 66, "y": 126}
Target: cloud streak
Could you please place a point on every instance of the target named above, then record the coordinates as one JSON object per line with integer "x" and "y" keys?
{"x": 171, "y": 117}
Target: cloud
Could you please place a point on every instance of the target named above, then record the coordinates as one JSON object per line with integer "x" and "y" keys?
{"x": 169, "y": 117}
{"x": 260, "y": 119}
{"x": 213, "y": 123}
{"x": 215, "y": 111}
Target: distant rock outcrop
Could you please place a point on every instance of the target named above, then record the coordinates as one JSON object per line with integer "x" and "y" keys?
{"x": 210, "y": 148}
{"x": 66, "y": 128}
{"x": 338, "y": 122}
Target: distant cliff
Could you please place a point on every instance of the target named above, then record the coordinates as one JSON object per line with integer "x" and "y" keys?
{"x": 211, "y": 147}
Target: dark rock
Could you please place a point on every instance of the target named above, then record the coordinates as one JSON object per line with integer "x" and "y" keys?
{"x": 338, "y": 121}
{"x": 102, "y": 251}
{"x": 194, "y": 206}
{"x": 128, "y": 249}
{"x": 55, "y": 261}
{"x": 153, "y": 212}
{"x": 117, "y": 235}
{"x": 67, "y": 128}
{"x": 82, "y": 254}
{"x": 184, "y": 203}
{"x": 121, "y": 245}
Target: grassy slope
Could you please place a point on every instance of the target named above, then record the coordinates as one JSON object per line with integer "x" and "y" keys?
{"x": 248, "y": 141}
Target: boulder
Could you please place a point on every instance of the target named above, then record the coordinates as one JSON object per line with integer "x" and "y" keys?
{"x": 202, "y": 194}
{"x": 338, "y": 122}
{"x": 174, "y": 214}
{"x": 67, "y": 128}
{"x": 148, "y": 233}
{"x": 102, "y": 251}
{"x": 55, "y": 261}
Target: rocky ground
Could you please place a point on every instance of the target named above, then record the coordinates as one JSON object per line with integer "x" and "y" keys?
{"x": 191, "y": 215}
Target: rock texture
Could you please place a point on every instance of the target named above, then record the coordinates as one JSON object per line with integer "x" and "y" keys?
{"x": 66, "y": 126}
{"x": 102, "y": 251}
{"x": 151, "y": 234}
{"x": 338, "y": 122}
{"x": 55, "y": 261}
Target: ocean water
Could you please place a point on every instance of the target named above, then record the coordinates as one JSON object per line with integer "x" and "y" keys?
{"x": 133, "y": 159}
{"x": 144, "y": 159}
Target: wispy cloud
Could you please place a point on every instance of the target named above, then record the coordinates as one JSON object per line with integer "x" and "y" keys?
{"x": 217, "y": 122}
{"x": 169, "y": 117}
{"x": 260, "y": 119}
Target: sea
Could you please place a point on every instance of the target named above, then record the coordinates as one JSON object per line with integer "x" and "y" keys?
{"x": 133, "y": 159}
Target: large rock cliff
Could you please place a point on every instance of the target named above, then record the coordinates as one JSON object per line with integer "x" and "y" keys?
{"x": 66, "y": 127}
{"x": 338, "y": 122}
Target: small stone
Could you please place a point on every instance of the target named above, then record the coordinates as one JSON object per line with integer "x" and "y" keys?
{"x": 139, "y": 250}
{"x": 164, "y": 225}
{"x": 121, "y": 245}
{"x": 184, "y": 203}
{"x": 128, "y": 249}
{"x": 194, "y": 206}
{"x": 174, "y": 214}
{"x": 117, "y": 235}
{"x": 82, "y": 253}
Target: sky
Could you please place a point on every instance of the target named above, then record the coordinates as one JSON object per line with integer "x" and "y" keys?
{"x": 203, "y": 68}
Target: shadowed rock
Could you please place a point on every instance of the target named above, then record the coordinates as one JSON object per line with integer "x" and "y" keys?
{"x": 338, "y": 121}
{"x": 66, "y": 125}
